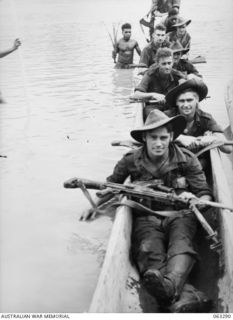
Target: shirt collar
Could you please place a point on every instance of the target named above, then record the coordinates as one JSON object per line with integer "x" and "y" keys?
{"x": 176, "y": 157}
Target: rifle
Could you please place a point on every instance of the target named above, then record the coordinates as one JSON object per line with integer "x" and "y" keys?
{"x": 162, "y": 194}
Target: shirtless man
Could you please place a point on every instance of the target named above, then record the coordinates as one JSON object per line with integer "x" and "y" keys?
{"x": 125, "y": 48}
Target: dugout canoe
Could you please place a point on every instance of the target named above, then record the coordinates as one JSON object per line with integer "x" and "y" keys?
{"x": 119, "y": 288}
{"x": 229, "y": 105}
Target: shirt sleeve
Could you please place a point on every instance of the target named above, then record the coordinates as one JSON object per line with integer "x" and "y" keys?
{"x": 192, "y": 69}
{"x": 144, "y": 57}
{"x": 196, "y": 178}
{"x": 144, "y": 84}
{"x": 213, "y": 126}
{"x": 120, "y": 172}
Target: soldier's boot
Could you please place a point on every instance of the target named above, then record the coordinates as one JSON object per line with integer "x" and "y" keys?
{"x": 178, "y": 269}
{"x": 191, "y": 300}
{"x": 166, "y": 289}
{"x": 186, "y": 298}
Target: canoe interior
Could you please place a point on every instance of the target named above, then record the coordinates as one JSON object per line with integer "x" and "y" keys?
{"x": 119, "y": 288}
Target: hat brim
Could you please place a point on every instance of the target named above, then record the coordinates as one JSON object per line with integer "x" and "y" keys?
{"x": 178, "y": 122}
{"x": 197, "y": 85}
{"x": 187, "y": 22}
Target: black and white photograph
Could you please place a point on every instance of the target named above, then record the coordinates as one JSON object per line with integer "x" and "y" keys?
{"x": 116, "y": 159}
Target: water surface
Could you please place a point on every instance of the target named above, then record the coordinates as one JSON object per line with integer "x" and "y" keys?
{"x": 65, "y": 104}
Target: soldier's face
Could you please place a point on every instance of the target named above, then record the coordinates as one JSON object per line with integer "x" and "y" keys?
{"x": 157, "y": 142}
{"x": 181, "y": 30}
{"x": 177, "y": 56}
{"x": 187, "y": 103}
{"x": 126, "y": 34}
{"x": 165, "y": 65}
{"x": 159, "y": 36}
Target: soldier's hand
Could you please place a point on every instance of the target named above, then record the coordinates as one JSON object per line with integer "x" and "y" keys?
{"x": 88, "y": 214}
{"x": 187, "y": 141}
{"x": 17, "y": 43}
{"x": 188, "y": 196}
{"x": 158, "y": 97}
{"x": 207, "y": 140}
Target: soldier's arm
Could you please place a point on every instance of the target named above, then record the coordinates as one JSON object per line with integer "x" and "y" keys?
{"x": 15, "y": 46}
{"x": 138, "y": 49}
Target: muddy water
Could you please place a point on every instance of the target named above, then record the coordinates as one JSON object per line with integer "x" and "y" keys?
{"x": 65, "y": 104}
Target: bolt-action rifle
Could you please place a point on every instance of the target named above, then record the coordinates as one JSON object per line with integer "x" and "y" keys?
{"x": 152, "y": 191}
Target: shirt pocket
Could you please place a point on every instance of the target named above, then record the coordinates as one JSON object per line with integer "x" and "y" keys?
{"x": 179, "y": 182}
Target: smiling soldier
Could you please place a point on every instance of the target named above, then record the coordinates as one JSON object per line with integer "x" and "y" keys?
{"x": 201, "y": 128}
{"x": 163, "y": 247}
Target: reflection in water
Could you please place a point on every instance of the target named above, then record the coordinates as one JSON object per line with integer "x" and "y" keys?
{"x": 65, "y": 105}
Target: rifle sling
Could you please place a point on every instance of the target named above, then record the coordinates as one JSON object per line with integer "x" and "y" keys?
{"x": 147, "y": 211}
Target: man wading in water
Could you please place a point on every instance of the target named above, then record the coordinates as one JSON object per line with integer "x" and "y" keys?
{"x": 125, "y": 48}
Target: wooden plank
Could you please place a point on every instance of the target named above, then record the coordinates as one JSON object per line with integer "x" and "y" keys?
{"x": 111, "y": 286}
{"x": 229, "y": 103}
{"x": 222, "y": 193}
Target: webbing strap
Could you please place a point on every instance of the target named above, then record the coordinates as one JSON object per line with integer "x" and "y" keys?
{"x": 168, "y": 213}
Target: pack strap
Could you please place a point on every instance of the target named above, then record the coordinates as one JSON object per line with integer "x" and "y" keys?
{"x": 147, "y": 211}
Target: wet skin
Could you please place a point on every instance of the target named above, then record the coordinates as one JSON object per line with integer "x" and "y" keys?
{"x": 126, "y": 47}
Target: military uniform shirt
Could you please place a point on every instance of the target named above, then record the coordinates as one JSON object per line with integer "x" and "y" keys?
{"x": 149, "y": 52}
{"x": 181, "y": 163}
{"x": 203, "y": 122}
{"x": 153, "y": 82}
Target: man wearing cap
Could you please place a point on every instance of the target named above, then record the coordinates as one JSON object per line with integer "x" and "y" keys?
{"x": 201, "y": 128}
{"x": 180, "y": 33}
{"x": 148, "y": 55}
{"x": 164, "y": 268}
{"x": 183, "y": 65}
{"x": 170, "y": 19}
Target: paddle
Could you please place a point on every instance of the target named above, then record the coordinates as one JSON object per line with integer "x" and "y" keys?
{"x": 126, "y": 143}
{"x": 134, "y": 144}
{"x": 148, "y": 100}
{"x": 198, "y": 59}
